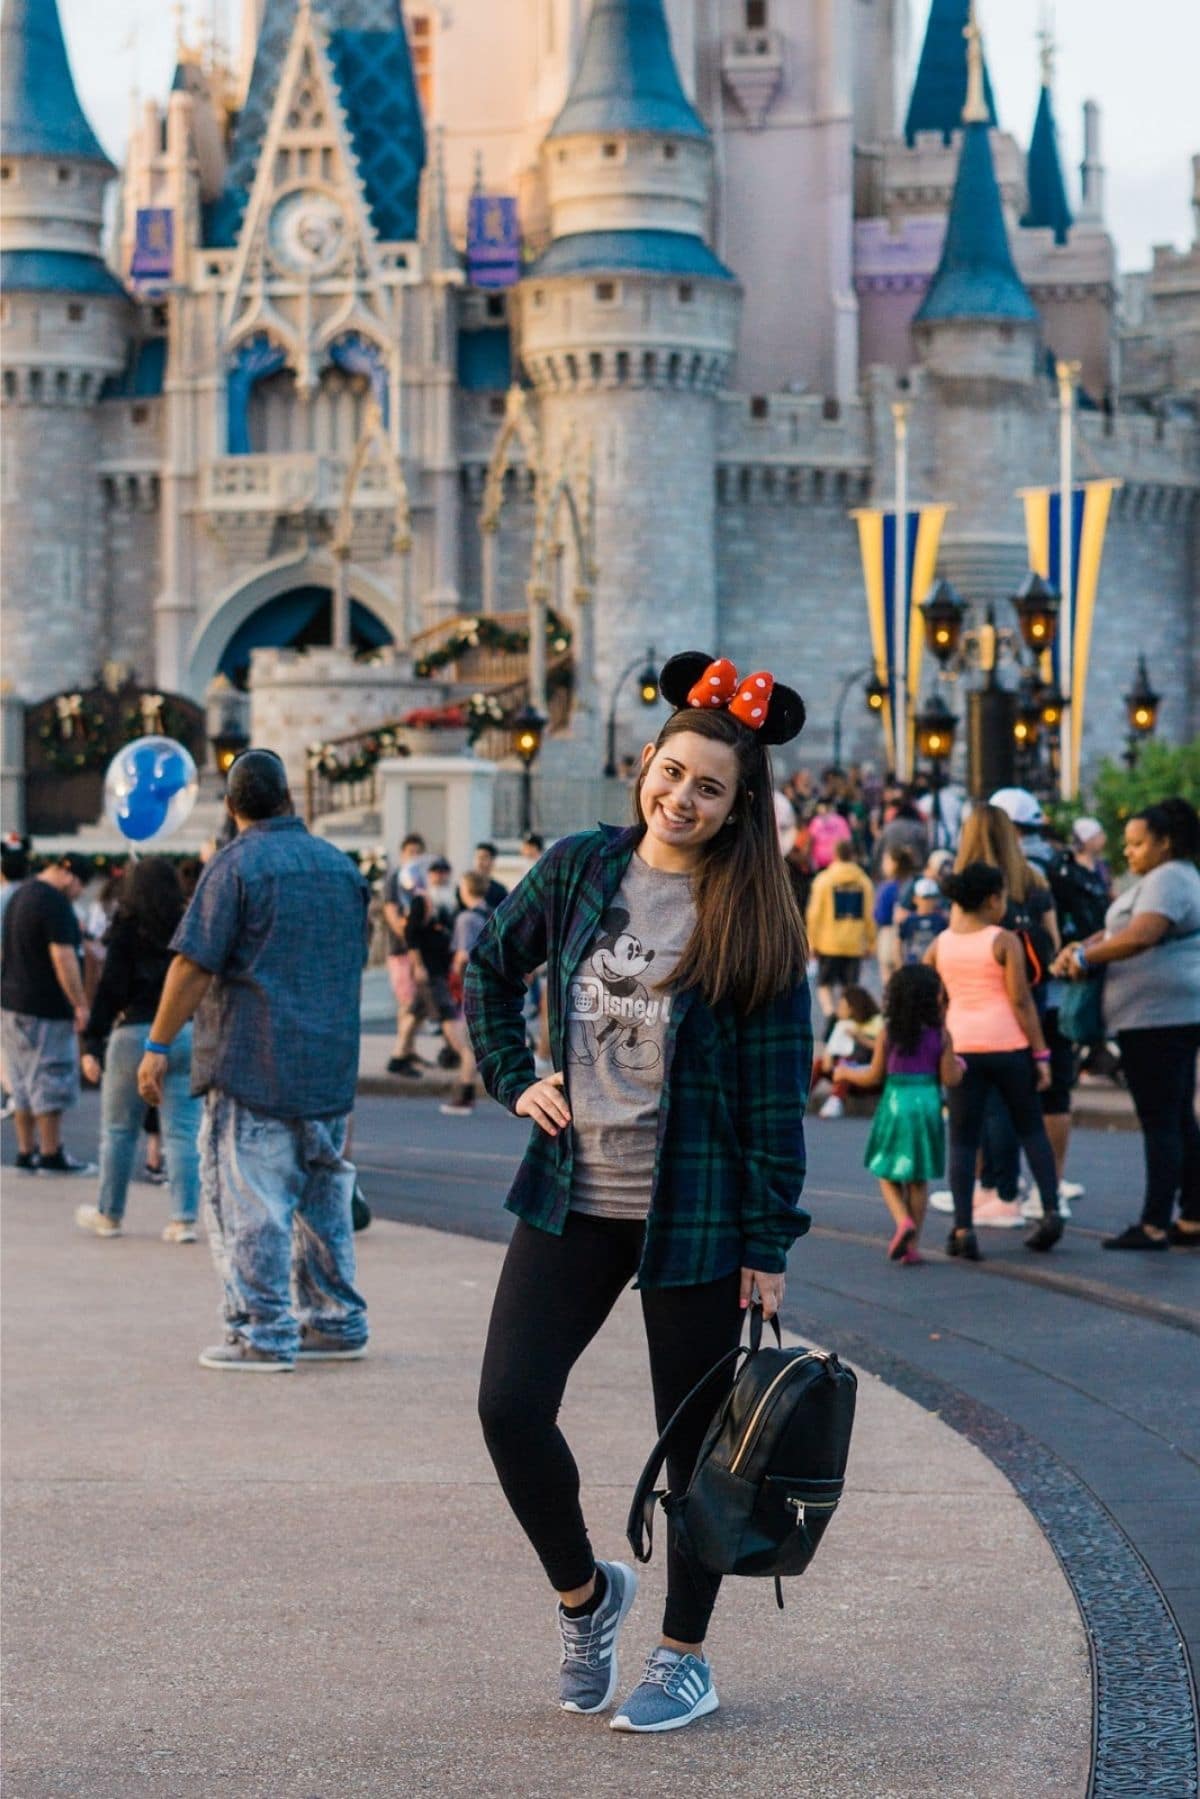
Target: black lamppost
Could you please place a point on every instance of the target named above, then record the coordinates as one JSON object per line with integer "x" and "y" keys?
{"x": 526, "y": 729}
{"x": 1141, "y": 711}
{"x": 874, "y": 694}
{"x": 648, "y": 686}
{"x": 936, "y": 725}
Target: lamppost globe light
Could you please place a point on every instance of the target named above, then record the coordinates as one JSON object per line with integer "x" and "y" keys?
{"x": 649, "y": 683}
{"x": 944, "y": 611}
{"x": 527, "y": 728}
{"x": 875, "y": 694}
{"x": 936, "y": 726}
{"x": 1142, "y": 703}
{"x": 1036, "y": 605}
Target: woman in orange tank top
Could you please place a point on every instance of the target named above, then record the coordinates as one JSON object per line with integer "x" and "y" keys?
{"x": 994, "y": 1026}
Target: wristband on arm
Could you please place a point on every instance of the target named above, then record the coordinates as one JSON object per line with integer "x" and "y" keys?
{"x": 151, "y": 1048}
{"x": 1041, "y": 1055}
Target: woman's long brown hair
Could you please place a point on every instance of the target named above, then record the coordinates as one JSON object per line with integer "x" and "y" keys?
{"x": 989, "y": 835}
{"x": 748, "y": 944}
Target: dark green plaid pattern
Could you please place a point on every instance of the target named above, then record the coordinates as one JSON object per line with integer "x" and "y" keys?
{"x": 729, "y": 1166}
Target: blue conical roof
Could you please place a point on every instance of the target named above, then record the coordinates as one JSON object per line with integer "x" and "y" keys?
{"x": 976, "y": 277}
{"x": 627, "y": 79}
{"x": 1048, "y": 204}
{"x": 40, "y": 114}
{"x": 940, "y": 86}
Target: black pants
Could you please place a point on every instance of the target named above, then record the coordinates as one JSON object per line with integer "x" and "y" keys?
{"x": 1010, "y": 1074}
{"x": 1160, "y": 1067}
{"x": 553, "y": 1296}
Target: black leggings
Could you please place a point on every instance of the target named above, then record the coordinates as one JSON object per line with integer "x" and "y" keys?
{"x": 553, "y": 1296}
{"x": 1010, "y": 1074}
{"x": 1160, "y": 1067}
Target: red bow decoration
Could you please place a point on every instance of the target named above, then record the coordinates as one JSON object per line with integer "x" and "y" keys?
{"x": 748, "y": 700}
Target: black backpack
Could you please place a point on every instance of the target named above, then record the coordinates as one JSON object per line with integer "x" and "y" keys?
{"x": 1080, "y": 898}
{"x": 771, "y": 1468}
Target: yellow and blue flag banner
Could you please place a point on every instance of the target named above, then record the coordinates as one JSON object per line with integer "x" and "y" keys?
{"x": 1091, "y": 502}
{"x": 878, "y": 543}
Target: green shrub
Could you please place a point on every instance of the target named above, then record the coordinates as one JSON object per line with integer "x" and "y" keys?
{"x": 1161, "y": 770}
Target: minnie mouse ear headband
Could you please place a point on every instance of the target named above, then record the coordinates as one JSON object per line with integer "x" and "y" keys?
{"x": 775, "y": 713}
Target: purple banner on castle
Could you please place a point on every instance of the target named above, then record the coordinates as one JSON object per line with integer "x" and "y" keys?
{"x": 493, "y": 241}
{"x": 153, "y": 245}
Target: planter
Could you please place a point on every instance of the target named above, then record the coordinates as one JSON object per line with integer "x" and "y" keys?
{"x": 445, "y": 740}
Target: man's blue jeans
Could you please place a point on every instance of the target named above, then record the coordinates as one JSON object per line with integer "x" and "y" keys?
{"x": 277, "y": 1194}
{"x": 121, "y": 1114}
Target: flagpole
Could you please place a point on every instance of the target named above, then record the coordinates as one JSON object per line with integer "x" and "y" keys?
{"x": 1067, "y": 374}
{"x": 900, "y": 594}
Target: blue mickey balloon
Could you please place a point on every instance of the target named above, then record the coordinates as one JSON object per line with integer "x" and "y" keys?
{"x": 150, "y": 788}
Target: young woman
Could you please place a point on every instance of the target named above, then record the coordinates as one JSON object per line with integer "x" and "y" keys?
{"x": 668, "y": 1144}
{"x": 135, "y": 967}
{"x": 994, "y": 1026}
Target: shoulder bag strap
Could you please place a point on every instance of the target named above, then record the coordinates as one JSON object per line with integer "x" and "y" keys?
{"x": 640, "y": 1526}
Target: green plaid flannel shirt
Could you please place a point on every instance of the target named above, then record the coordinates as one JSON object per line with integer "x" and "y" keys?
{"x": 730, "y": 1163}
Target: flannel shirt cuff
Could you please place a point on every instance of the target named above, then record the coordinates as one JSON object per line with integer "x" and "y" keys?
{"x": 765, "y": 1258}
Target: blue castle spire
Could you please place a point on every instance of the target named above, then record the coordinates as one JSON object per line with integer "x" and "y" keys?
{"x": 40, "y": 114}
{"x": 940, "y": 86}
{"x": 627, "y": 79}
{"x": 1048, "y": 203}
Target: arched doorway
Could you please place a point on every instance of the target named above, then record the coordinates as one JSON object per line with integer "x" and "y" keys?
{"x": 298, "y": 619}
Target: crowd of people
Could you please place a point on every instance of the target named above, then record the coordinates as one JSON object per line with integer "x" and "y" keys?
{"x": 644, "y": 998}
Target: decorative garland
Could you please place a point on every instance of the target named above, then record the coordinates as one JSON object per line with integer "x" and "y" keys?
{"x": 483, "y": 633}
{"x": 79, "y": 736}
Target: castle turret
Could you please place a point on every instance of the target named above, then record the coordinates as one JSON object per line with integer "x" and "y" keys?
{"x": 1048, "y": 205}
{"x": 628, "y": 324}
{"x": 939, "y": 89}
{"x": 65, "y": 328}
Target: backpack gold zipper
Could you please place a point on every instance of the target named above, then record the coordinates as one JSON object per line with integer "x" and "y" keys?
{"x": 789, "y": 1368}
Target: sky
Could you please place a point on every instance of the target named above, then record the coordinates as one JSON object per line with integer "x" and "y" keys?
{"x": 1138, "y": 61}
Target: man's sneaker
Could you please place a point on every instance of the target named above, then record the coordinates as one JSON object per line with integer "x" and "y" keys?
{"x": 179, "y": 1230}
{"x": 91, "y": 1218}
{"x": 461, "y": 1106}
{"x": 154, "y": 1177}
{"x": 941, "y": 1200}
{"x": 1069, "y": 1190}
{"x": 315, "y": 1346}
{"x": 587, "y": 1676}
{"x": 997, "y": 1214}
{"x": 1032, "y": 1209}
{"x": 239, "y": 1357}
{"x": 61, "y": 1163}
{"x": 28, "y": 1161}
{"x": 410, "y": 1065}
{"x": 673, "y": 1691}
{"x": 833, "y": 1108}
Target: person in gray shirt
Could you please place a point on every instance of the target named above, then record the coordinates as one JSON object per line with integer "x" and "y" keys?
{"x": 269, "y": 958}
{"x": 1150, "y": 953}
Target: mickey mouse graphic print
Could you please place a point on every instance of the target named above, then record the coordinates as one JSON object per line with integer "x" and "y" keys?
{"x": 617, "y": 1020}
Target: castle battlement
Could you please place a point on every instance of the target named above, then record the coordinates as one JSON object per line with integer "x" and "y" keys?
{"x": 793, "y": 432}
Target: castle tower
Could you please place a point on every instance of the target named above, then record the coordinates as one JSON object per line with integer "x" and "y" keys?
{"x": 1048, "y": 204}
{"x": 627, "y": 328}
{"x": 65, "y": 326}
{"x": 976, "y": 332}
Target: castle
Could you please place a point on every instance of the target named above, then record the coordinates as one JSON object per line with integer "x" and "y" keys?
{"x": 290, "y": 428}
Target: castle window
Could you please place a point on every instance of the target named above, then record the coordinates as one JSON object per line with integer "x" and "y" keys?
{"x": 497, "y": 406}
{"x": 62, "y": 174}
{"x": 539, "y": 298}
{"x": 160, "y": 312}
{"x": 756, "y": 15}
{"x": 610, "y": 151}
{"x": 495, "y": 306}
{"x": 139, "y": 414}
{"x": 687, "y": 293}
{"x": 670, "y": 152}
{"x": 421, "y": 44}
{"x": 759, "y": 406}
{"x": 831, "y": 410}
{"x": 6, "y": 171}
{"x": 605, "y": 293}
{"x": 76, "y": 313}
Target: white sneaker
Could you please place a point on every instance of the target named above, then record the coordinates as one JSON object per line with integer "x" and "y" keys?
{"x": 1070, "y": 1190}
{"x": 997, "y": 1214}
{"x": 91, "y": 1218}
{"x": 1032, "y": 1206}
{"x": 180, "y": 1230}
{"x": 833, "y": 1108}
{"x": 942, "y": 1200}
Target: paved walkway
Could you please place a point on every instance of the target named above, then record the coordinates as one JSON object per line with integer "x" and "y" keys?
{"x": 311, "y": 1589}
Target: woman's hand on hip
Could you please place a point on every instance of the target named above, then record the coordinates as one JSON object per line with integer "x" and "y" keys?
{"x": 769, "y": 1290}
{"x": 545, "y": 1102}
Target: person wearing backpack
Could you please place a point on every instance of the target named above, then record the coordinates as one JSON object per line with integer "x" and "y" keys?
{"x": 668, "y": 1145}
{"x": 994, "y": 1026}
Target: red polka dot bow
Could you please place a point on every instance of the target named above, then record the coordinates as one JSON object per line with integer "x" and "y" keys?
{"x": 748, "y": 699}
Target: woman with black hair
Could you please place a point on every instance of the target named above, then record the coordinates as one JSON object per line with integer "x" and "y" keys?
{"x": 668, "y": 1144}
{"x": 995, "y": 1028}
{"x": 1149, "y": 952}
{"x": 150, "y": 906}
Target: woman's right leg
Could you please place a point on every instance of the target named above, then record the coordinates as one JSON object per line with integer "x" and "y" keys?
{"x": 120, "y": 1117}
{"x": 1014, "y": 1075}
{"x": 181, "y": 1114}
{"x": 1160, "y": 1069}
{"x": 554, "y": 1294}
{"x": 965, "y": 1106}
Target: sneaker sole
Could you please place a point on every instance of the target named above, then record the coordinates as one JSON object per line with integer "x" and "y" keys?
{"x": 1007, "y": 1223}
{"x": 245, "y": 1367}
{"x": 701, "y": 1709}
{"x": 332, "y": 1355}
{"x": 631, "y": 1587}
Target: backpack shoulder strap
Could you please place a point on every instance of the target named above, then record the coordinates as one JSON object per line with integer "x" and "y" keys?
{"x": 640, "y": 1526}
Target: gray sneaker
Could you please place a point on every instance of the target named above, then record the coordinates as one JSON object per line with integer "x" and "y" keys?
{"x": 237, "y": 1356}
{"x": 315, "y": 1346}
{"x": 674, "y": 1690}
{"x": 587, "y": 1678}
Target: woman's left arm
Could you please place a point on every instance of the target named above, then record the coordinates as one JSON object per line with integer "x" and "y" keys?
{"x": 774, "y": 1067}
{"x": 1143, "y": 931}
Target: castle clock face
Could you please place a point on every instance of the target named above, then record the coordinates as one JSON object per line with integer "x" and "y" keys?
{"x": 308, "y": 232}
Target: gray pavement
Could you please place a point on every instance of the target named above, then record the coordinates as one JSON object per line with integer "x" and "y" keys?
{"x": 308, "y": 1587}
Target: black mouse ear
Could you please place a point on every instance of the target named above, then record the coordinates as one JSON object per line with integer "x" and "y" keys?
{"x": 680, "y": 675}
{"x": 785, "y": 716}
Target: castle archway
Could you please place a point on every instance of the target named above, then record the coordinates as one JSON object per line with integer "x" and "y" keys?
{"x": 286, "y": 605}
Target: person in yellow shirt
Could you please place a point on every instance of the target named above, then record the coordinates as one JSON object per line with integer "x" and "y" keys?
{"x": 841, "y": 925}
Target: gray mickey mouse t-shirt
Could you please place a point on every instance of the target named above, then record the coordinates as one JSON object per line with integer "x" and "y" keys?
{"x": 616, "y": 1039}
